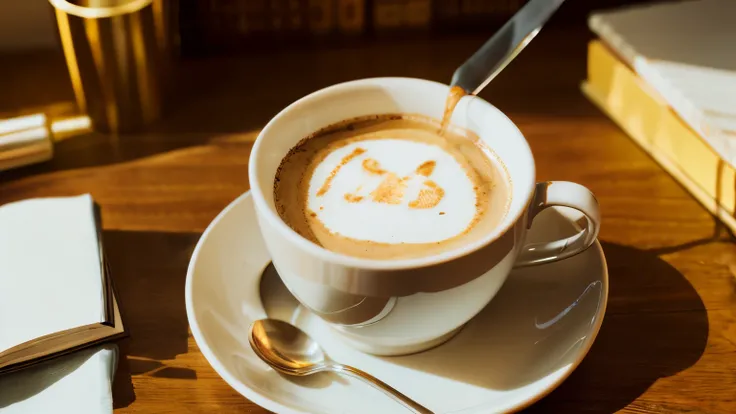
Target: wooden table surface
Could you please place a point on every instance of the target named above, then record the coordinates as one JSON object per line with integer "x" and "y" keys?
{"x": 668, "y": 342}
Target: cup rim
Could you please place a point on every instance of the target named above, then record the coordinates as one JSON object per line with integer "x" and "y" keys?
{"x": 264, "y": 211}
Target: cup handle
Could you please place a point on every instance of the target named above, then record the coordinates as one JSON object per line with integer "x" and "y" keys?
{"x": 565, "y": 194}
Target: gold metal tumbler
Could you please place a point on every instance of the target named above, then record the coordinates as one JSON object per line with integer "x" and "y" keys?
{"x": 116, "y": 52}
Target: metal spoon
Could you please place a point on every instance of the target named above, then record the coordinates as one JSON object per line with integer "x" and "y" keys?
{"x": 289, "y": 350}
{"x": 503, "y": 47}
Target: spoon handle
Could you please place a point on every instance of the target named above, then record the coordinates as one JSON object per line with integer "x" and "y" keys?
{"x": 391, "y": 391}
{"x": 503, "y": 47}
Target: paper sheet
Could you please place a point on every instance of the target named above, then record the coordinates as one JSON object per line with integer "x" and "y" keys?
{"x": 50, "y": 273}
{"x": 78, "y": 383}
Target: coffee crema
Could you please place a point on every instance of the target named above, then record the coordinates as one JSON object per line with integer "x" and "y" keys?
{"x": 391, "y": 187}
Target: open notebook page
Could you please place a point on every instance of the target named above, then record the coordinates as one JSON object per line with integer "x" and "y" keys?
{"x": 50, "y": 273}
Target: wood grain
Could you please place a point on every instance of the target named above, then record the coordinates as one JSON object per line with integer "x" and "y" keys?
{"x": 668, "y": 343}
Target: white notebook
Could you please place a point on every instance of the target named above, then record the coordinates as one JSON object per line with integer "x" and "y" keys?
{"x": 78, "y": 383}
{"x": 686, "y": 51}
{"x": 55, "y": 294}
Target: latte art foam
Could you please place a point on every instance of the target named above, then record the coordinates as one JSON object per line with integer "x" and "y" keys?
{"x": 392, "y": 192}
{"x": 391, "y": 186}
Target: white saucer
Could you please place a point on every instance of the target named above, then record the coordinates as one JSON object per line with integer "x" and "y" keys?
{"x": 525, "y": 343}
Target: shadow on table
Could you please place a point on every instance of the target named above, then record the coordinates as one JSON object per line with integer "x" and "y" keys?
{"x": 149, "y": 272}
{"x": 123, "y": 393}
{"x": 656, "y": 325}
{"x": 92, "y": 149}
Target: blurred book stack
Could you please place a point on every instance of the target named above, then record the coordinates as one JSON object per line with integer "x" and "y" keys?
{"x": 666, "y": 74}
{"x": 208, "y": 26}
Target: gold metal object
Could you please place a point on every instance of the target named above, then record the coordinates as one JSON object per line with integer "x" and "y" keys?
{"x": 117, "y": 53}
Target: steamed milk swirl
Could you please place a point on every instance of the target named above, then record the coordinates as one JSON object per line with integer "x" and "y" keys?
{"x": 389, "y": 187}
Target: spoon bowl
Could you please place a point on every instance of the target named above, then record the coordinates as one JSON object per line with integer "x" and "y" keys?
{"x": 286, "y": 347}
{"x": 289, "y": 350}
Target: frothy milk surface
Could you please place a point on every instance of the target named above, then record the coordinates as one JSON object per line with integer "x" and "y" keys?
{"x": 413, "y": 208}
{"x": 388, "y": 187}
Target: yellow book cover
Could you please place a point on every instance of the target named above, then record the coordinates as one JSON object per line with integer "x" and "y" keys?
{"x": 651, "y": 122}
{"x": 684, "y": 50}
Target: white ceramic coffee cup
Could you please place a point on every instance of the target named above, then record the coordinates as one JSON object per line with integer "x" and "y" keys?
{"x": 391, "y": 307}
